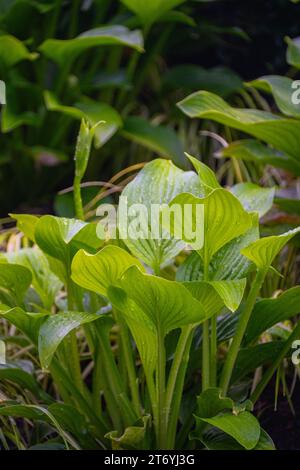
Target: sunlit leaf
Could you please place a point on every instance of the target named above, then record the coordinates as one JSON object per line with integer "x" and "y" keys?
{"x": 282, "y": 89}
{"x": 224, "y": 219}
{"x": 254, "y": 198}
{"x": 279, "y": 131}
{"x": 158, "y": 183}
{"x": 263, "y": 251}
{"x": 100, "y": 271}
{"x": 214, "y": 295}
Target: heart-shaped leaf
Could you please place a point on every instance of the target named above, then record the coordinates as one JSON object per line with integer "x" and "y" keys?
{"x": 227, "y": 263}
{"x": 157, "y": 183}
{"x": 64, "y": 51}
{"x": 154, "y": 306}
{"x": 61, "y": 238}
{"x": 214, "y": 295}
{"x": 224, "y": 219}
{"x": 167, "y": 304}
{"x": 100, "y": 271}
{"x": 263, "y": 251}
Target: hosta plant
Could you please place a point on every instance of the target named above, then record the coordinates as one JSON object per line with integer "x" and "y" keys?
{"x": 146, "y": 343}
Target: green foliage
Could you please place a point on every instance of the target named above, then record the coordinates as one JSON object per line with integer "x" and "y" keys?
{"x": 135, "y": 396}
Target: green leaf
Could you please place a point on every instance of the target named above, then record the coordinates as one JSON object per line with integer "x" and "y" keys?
{"x": 61, "y": 238}
{"x": 293, "y": 52}
{"x": 214, "y": 439}
{"x": 254, "y": 151}
{"x": 167, "y": 304}
{"x": 64, "y": 51}
{"x": 100, "y": 271}
{"x": 149, "y": 12}
{"x": 150, "y": 305}
{"x": 207, "y": 177}
{"x": 28, "y": 323}
{"x": 157, "y": 183}
{"x": 227, "y": 263}
{"x": 281, "y": 88}
{"x": 16, "y": 375}
{"x": 44, "y": 281}
{"x": 281, "y": 132}
{"x": 254, "y": 198}
{"x": 214, "y": 295}
{"x": 224, "y": 219}
{"x": 56, "y": 328}
{"x": 133, "y": 438}
{"x": 210, "y": 403}
{"x": 219, "y": 80}
{"x": 14, "y": 282}
{"x": 160, "y": 139}
{"x": 244, "y": 427}
{"x": 250, "y": 358}
{"x": 26, "y": 223}
{"x": 263, "y": 251}
{"x": 268, "y": 312}
{"x": 93, "y": 112}
{"x": 13, "y": 51}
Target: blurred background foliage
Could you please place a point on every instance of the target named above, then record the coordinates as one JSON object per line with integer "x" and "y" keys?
{"x": 145, "y": 57}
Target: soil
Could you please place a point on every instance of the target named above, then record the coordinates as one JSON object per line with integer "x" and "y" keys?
{"x": 282, "y": 425}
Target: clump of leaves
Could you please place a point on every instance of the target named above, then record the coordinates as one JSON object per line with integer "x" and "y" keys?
{"x": 151, "y": 317}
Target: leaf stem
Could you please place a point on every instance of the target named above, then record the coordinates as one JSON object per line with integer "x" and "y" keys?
{"x": 213, "y": 351}
{"x": 176, "y": 383}
{"x": 130, "y": 366}
{"x": 160, "y": 390}
{"x": 240, "y": 331}
{"x": 205, "y": 336}
{"x": 77, "y": 198}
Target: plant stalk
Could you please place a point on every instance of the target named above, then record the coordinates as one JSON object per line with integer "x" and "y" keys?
{"x": 240, "y": 331}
